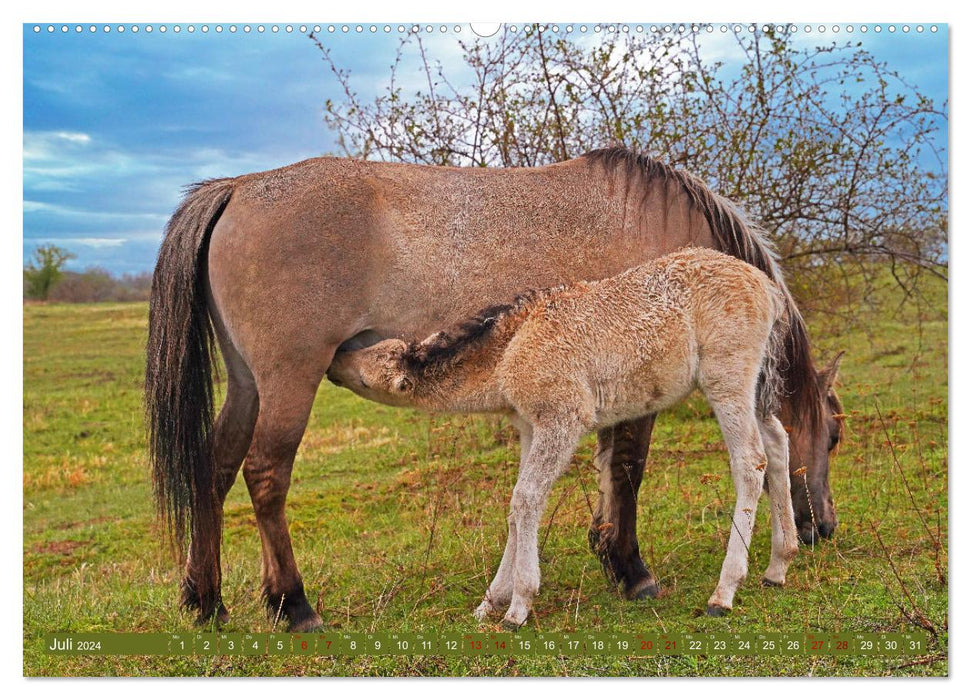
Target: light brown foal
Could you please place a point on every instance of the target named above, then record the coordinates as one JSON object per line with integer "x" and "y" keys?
{"x": 566, "y": 361}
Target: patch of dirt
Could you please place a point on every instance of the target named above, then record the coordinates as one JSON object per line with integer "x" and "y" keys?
{"x": 75, "y": 524}
{"x": 59, "y": 547}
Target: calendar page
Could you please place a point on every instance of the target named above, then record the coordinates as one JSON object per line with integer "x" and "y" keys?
{"x": 513, "y": 349}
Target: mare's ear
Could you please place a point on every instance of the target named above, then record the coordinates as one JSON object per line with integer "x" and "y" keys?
{"x": 402, "y": 385}
{"x": 827, "y": 377}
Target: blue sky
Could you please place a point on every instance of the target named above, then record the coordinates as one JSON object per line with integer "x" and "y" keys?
{"x": 115, "y": 124}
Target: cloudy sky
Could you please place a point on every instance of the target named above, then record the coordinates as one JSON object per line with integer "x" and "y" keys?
{"x": 116, "y": 123}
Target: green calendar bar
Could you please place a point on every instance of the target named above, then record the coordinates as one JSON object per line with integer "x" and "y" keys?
{"x": 303, "y": 645}
{"x": 278, "y": 644}
{"x": 642, "y": 645}
{"x": 205, "y": 644}
{"x": 230, "y": 644}
{"x": 179, "y": 644}
{"x": 487, "y": 644}
{"x": 620, "y": 644}
{"x": 450, "y": 644}
{"x": 484, "y": 644}
{"x": 524, "y": 644}
{"x": 254, "y": 644}
{"x": 330, "y": 644}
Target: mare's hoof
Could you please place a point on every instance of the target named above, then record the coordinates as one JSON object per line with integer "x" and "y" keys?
{"x": 310, "y": 623}
{"x": 219, "y": 616}
{"x": 769, "y": 583}
{"x": 646, "y": 588}
{"x": 209, "y": 607}
{"x": 717, "y": 611}
{"x": 295, "y": 609}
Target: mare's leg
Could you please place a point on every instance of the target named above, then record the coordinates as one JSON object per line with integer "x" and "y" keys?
{"x": 621, "y": 454}
{"x": 500, "y": 590}
{"x": 232, "y": 433}
{"x": 785, "y": 538}
{"x": 285, "y": 403}
{"x": 549, "y": 456}
{"x": 748, "y": 463}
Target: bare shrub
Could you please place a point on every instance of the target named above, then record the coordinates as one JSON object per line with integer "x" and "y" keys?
{"x": 832, "y": 151}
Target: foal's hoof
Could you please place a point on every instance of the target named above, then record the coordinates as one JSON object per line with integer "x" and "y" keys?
{"x": 717, "y": 611}
{"x": 646, "y": 588}
{"x": 483, "y": 611}
{"x": 769, "y": 583}
{"x": 511, "y": 624}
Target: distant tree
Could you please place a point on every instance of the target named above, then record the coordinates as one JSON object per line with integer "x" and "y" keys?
{"x": 41, "y": 275}
{"x": 97, "y": 284}
{"x": 94, "y": 284}
{"x": 832, "y": 151}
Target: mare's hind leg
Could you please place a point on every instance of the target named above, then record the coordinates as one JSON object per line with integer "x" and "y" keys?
{"x": 500, "y": 590}
{"x": 233, "y": 430}
{"x": 621, "y": 455}
{"x": 285, "y": 403}
{"x": 740, "y": 430}
{"x": 785, "y": 539}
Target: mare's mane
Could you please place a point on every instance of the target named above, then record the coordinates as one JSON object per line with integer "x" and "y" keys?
{"x": 739, "y": 237}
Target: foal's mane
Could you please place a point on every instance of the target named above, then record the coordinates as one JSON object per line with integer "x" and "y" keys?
{"x": 449, "y": 347}
{"x": 736, "y": 235}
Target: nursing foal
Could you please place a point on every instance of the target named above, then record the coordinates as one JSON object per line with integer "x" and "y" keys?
{"x": 565, "y": 361}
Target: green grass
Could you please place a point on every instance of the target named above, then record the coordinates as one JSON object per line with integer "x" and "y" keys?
{"x": 398, "y": 518}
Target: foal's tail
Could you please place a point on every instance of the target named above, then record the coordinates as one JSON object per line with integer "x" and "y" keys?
{"x": 178, "y": 381}
{"x": 772, "y": 382}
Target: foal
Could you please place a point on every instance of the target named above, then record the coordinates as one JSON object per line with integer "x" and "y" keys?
{"x": 565, "y": 361}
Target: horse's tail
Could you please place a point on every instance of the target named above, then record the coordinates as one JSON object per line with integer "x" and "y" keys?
{"x": 771, "y": 385}
{"x": 178, "y": 381}
{"x": 735, "y": 235}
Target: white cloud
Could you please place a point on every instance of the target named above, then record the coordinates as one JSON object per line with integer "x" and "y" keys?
{"x": 46, "y": 145}
{"x": 95, "y": 242}
{"x": 72, "y": 136}
{"x": 127, "y": 237}
{"x": 32, "y": 206}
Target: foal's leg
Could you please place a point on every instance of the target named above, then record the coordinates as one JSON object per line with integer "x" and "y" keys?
{"x": 284, "y": 410}
{"x": 740, "y": 430}
{"x": 785, "y": 538}
{"x": 621, "y": 455}
{"x": 231, "y": 438}
{"x": 549, "y": 456}
{"x": 500, "y": 590}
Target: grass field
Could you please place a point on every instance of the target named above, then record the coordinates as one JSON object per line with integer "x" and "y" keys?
{"x": 398, "y": 518}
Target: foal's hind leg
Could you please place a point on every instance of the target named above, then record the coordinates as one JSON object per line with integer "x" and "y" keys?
{"x": 500, "y": 590}
{"x": 621, "y": 455}
{"x": 785, "y": 539}
{"x": 201, "y": 585}
{"x": 285, "y": 404}
{"x": 740, "y": 430}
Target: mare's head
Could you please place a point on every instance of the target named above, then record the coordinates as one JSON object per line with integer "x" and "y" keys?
{"x": 375, "y": 372}
{"x": 810, "y": 449}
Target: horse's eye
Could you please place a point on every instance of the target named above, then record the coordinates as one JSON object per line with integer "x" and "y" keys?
{"x": 833, "y": 440}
